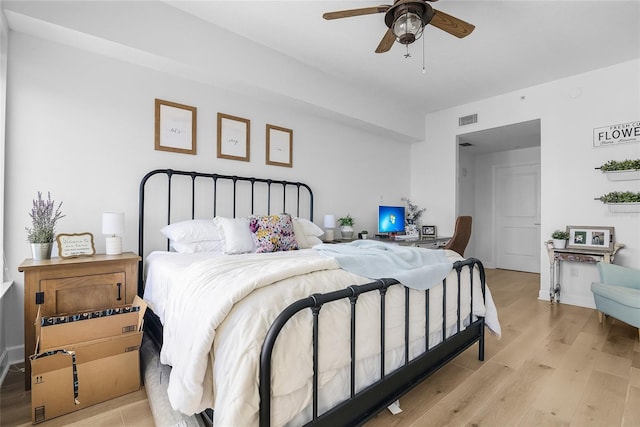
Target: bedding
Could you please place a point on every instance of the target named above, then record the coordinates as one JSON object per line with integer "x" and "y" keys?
{"x": 214, "y": 346}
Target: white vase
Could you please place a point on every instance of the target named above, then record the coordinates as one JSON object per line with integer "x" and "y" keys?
{"x": 40, "y": 251}
{"x": 346, "y": 231}
{"x": 559, "y": 243}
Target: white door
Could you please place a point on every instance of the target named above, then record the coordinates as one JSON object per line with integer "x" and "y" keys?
{"x": 517, "y": 204}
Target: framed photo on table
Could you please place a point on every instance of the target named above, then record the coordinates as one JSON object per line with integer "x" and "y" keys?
{"x": 233, "y": 138}
{"x": 586, "y": 237}
{"x": 279, "y": 146}
{"x": 175, "y": 128}
{"x": 429, "y": 231}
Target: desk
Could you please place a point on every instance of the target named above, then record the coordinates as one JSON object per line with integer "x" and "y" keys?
{"x": 556, "y": 256}
{"x": 432, "y": 243}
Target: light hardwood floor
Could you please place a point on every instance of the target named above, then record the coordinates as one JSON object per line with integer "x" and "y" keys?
{"x": 554, "y": 365}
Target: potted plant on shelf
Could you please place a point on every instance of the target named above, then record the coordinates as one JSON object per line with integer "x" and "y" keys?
{"x": 621, "y": 170}
{"x": 621, "y": 201}
{"x": 346, "y": 226}
{"x": 559, "y": 239}
{"x": 44, "y": 217}
{"x": 364, "y": 234}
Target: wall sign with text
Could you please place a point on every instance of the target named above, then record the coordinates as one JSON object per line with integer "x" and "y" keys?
{"x": 75, "y": 245}
{"x": 616, "y": 134}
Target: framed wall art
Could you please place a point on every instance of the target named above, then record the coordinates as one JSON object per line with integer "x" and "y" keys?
{"x": 586, "y": 237}
{"x": 279, "y": 146}
{"x": 429, "y": 231}
{"x": 233, "y": 138}
{"x": 175, "y": 128}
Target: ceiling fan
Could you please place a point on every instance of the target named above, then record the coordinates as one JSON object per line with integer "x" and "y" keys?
{"x": 406, "y": 20}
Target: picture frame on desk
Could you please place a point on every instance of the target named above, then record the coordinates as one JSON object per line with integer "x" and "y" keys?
{"x": 588, "y": 237}
{"x": 429, "y": 232}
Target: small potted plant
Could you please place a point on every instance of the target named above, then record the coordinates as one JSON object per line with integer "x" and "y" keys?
{"x": 624, "y": 170}
{"x": 44, "y": 216}
{"x": 621, "y": 201}
{"x": 346, "y": 226}
{"x": 559, "y": 239}
{"x": 364, "y": 234}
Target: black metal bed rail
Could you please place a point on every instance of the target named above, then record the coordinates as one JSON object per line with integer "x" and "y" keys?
{"x": 215, "y": 177}
{"x": 366, "y": 403}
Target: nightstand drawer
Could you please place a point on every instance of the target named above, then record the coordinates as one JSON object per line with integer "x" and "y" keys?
{"x": 83, "y": 293}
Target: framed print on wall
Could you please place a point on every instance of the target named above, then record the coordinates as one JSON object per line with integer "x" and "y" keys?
{"x": 585, "y": 237}
{"x": 233, "y": 138}
{"x": 279, "y": 146}
{"x": 175, "y": 128}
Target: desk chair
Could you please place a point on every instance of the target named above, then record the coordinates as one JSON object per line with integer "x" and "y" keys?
{"x": 461, "y": 235}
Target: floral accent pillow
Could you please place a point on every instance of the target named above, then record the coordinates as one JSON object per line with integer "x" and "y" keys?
{"x": 273, "y": 233}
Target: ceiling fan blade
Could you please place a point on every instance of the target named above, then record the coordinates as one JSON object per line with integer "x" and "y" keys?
{"x": 451, "y": 24}
{"x": 387, "y": 42}
{"x": 356, "y": 12}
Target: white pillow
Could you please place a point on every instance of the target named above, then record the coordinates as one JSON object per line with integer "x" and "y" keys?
{"x": 313, "y": 240}
{"x": 193, "y": 230}
{"x": 309, "y": 228}
{"x": 236, "y": 234}
{"x": 193, "y": 247}
{"x": 301, "y": 238}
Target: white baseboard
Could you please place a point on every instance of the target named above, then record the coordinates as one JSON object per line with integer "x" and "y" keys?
{"x": 577, "y": 300}
{"x": 11, "y": 356}
{"x": 4, "y": 366}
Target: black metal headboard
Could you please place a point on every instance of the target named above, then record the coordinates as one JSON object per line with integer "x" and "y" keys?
{"x": 241, "y": 195}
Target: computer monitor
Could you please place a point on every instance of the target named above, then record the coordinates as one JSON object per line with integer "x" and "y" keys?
{"x": 390, "y": 219}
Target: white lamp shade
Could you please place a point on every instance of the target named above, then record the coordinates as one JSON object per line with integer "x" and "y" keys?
{"x": 329, "y": 221}
{"x": 113, "y": 223}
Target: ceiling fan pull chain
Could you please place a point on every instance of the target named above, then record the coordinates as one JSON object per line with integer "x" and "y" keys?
{"x": 407, "y": 55}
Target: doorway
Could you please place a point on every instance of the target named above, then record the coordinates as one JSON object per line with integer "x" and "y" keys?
{"x": 499, "y": 186}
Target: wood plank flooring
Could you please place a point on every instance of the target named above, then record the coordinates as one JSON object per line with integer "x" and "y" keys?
{"x": 554, "y": 366}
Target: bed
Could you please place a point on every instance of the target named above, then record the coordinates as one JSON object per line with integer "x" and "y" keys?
{"x": 292, "y": 337}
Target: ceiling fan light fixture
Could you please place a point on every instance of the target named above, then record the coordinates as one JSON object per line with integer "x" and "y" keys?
{"x": 407, "y": 27}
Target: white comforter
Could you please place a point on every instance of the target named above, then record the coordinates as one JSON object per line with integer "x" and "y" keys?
{"x": 238, "y": 298}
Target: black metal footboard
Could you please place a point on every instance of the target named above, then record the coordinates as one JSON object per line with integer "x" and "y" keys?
{"x": 364, "y": 404}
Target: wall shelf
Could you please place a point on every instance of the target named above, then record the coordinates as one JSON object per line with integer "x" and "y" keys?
{"x": 624, "y": 175}
{"x": 623, "y": 207}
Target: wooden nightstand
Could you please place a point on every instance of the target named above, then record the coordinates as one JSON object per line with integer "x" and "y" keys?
{"x": 76, "y": 284}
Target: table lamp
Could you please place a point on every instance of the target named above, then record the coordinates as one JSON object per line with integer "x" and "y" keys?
{"x": 329, "y": 225}
{"x": 113, "y": 225}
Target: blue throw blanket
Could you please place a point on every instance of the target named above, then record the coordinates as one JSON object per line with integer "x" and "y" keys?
{"x": 414, "y": 267}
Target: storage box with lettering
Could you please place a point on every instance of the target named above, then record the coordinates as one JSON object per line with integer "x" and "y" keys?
{"x": 70, "y": 374}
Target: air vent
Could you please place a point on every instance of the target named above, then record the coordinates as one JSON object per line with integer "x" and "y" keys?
{"x": 468, "y": 120}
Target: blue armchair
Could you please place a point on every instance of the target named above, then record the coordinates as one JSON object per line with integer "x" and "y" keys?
{"x": 618, "y": 293}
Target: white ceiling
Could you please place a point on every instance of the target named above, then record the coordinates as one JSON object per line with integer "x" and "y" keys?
{"x": 516, "y": 44}
{"x": 502, "y": 138}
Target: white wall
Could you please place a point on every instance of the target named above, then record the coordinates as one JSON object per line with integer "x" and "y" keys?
{"x": 569, "y": 110}
{"x": 467, "y": 190}
{"x": 4, "y": 284}
{"x": 81, "y": 125}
